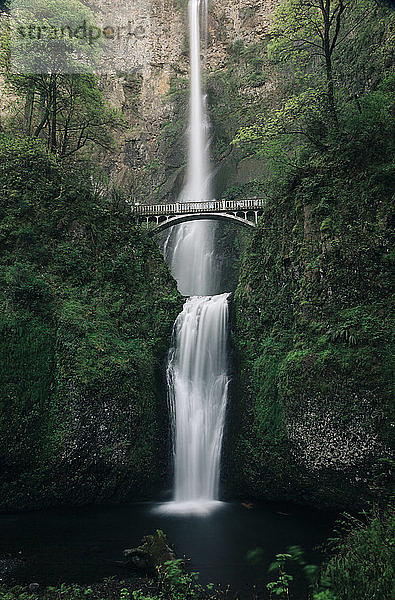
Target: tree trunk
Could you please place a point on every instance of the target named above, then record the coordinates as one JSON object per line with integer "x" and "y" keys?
{"x": 28, "y": 113}
{"x": 53, "y": 112}
{"x": 328, "y": 63}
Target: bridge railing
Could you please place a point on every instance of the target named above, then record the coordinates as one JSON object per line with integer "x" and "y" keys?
{"x": 198, "y": 207}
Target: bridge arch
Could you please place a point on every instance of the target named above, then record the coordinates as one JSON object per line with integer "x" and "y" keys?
{"x": 162, "y": 225}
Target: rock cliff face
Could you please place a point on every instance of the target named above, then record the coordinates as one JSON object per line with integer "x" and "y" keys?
{"x": 152, "y": 93}
{"x": 145, "y": 74}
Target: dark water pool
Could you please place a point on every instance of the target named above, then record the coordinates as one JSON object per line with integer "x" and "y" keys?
{"x": 78, "y": 545}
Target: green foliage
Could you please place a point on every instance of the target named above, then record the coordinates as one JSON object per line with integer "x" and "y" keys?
{"x": 280, "y": 587}
{"x": 362, "y": 561}
{"x": 312, "y": 325}
{"x": 42, "y": 36}
{"x": 317, "y": 583}
{"x": 87, "y": 309}
{"x": 314, "y": 48}
{"x": 57, "y": 104}
{"x": 360, "y": 564}
{"x": 174, "y": 582}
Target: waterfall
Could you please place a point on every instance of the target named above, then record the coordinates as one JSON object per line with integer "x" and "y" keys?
{"x": 189, "y": 249}
{"x": 197, "y": 370}
{"x": 198, "y": 384}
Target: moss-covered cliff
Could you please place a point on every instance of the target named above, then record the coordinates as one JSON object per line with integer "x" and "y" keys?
{"x": 312, "y": 332}
{"x": 87, "y": 306}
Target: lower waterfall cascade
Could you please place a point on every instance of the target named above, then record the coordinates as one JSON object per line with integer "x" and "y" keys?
{"x": 197, "y": 377}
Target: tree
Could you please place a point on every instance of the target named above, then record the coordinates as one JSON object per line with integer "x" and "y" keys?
{"x": 315, "y": 45}
{"x": 60, "y": 105}
{"x": 307, "y": 30}
{"x": 68, "y": 111}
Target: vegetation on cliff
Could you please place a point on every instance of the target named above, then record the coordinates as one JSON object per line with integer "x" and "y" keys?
{"x": 87, "y": 302}
{"x": 312, "y": 318}
{"x": 87, "y": 307}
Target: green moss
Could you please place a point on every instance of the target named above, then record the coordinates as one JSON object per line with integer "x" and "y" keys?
{"x": 87, "y": 310}
{"x": 312, "y": 337}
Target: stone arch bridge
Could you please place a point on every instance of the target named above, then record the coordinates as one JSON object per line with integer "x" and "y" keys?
{"x": 244, "y": 211}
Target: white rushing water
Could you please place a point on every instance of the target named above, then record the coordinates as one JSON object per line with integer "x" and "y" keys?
{"x": 189, "y": 248}
{"x": 197, "y": 372}
{"x": 198, "y": 385}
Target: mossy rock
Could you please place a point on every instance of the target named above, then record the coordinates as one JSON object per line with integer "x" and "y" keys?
{"x": 152, "y": 552}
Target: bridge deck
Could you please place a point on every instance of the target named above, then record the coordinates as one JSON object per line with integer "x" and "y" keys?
{"x": 209, "y": 206}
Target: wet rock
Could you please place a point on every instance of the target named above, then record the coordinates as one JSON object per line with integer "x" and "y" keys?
{"x": 153, "y": 551}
